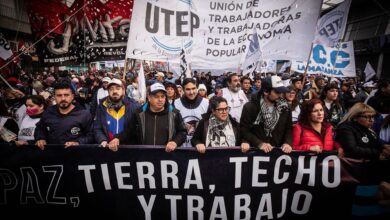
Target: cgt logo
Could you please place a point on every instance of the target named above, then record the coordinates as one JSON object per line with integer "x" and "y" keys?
{"x": 338, "y": 58}
{"x": 163, "y": 23}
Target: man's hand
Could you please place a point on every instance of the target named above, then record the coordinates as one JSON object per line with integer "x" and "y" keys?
{"x": 71, "y": 144}
{"x": 114, "y": 144}
{"x": 201, "y": 148}
{"x": 384, "y": 194}
{"x": 286, "y": 148}
{"x": 266, "y": 147}
{"x": 41, "y": 144}
{"x": 20, "y": 143}
{"x": 103, "y": 144}
{"x": 171, "y": 146}
{"x": 244, "y": 147}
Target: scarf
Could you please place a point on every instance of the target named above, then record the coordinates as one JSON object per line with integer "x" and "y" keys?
{"x": 270, "y": 117}
{"x": 114, "y": 105}
{"x": 219, "y": 133}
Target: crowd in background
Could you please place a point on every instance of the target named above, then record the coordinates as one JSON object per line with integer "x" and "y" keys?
{"x": 287, "y": 111}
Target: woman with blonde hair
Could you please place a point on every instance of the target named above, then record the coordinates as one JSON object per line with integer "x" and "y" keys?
{"x": 356, "y": 137}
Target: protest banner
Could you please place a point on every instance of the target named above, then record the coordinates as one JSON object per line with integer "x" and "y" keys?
{"x": 140, "y": 182}
{"x": 330, "y": 61}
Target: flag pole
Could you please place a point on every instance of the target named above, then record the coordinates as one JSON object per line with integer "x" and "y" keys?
{"x": 307, "y": 63}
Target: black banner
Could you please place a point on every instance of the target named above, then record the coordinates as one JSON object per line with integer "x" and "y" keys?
{"x": 148, "y": 183}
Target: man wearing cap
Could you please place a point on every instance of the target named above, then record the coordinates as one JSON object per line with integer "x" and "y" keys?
{"x": 64, "y": 123}
{"x": 100, "y": 94}
{"x": 266, "y": 120}
{"x": 365, "y": 91}
{"x": 112, "y": 113}
{"x": 235, "y": 96}
{"x": 156, "y": 123}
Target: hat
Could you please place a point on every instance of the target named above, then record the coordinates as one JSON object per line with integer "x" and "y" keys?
{"x": 116, "y": 82}
{"x": 202, "y": 86}
{"x": 157, "y": 87}
{"x": 160, "y": 74}
{"x": 219, "y": 86}
{"x": 369, "y": 84}
{"x": 106, "y": 79}
{"x": 276, "y": 83}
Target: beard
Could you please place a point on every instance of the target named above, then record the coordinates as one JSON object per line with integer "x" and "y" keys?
{"x": 64, "y": 105}
{"x": 236, "y": 88}
{"x": 116, "y": 98}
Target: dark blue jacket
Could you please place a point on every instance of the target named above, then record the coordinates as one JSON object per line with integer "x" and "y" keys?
{"x": 100, "y": 122}
{"x": 57, "y": 128}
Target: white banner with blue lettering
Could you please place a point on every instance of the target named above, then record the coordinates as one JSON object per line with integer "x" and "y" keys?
{"x": 330, "y": 61}
{"x": 215, "y": 33}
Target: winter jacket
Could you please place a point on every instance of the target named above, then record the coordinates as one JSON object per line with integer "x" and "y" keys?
{"x": 150, "y": 128}
{"x": 202, "y": 129}
{"x": 100, "y": 124}
{"x": 358, "y": 141}
{"x": 380, "y": 102}
{"x": 57, "y": 128}
{"x": 255, "y": 134}
{"x": 305, "y": 136}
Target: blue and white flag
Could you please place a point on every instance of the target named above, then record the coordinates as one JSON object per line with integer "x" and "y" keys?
{"x": 331, "y": 26}
{"x": 253, "y": 55}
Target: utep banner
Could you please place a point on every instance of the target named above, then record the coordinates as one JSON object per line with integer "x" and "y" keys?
{"x": 99, "y": 31}
{"x": 148, "y": 183}
{"x": 330, "y": 61}
{"x": 216, "y": 33}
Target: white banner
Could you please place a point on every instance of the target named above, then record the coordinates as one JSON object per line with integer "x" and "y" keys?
{"x": 330, "y": 61}
{"x": 215, "y": 33}
{"x": 267, "y": 66}
{"x": 5, "y": 49}
{"x": 331, "y": 26}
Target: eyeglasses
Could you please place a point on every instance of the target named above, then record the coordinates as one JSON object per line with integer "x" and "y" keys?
{"x": 367, "y": 117}
{"x": 221, "y": 110}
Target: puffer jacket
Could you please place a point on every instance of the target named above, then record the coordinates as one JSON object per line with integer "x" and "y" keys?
{"x": 304, "y": 137}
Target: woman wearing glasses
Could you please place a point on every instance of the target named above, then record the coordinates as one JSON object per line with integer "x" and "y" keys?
{"x": 217, "y": 128}
{"x": 356, "y": 137}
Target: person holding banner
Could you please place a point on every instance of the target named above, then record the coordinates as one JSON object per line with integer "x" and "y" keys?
{"x": 64, "y": 123}
{"x": 312, "y": 132}
{"x": 112, "y": 113}
{"x": 266, "y": 120}
{"x": 356, "y": 137}
{"x": 217, "y": 128}
{"x": 156, "y": 123}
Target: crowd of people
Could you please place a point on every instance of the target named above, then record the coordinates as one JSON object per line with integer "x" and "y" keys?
{"x": 285, "y": 111}
{"x": 288, "y": 112}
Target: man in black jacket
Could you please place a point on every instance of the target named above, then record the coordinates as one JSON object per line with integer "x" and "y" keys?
{"x": 157, "y": 123}
{"x": 64, "y": 123}
{"x": 266, "y": 120}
